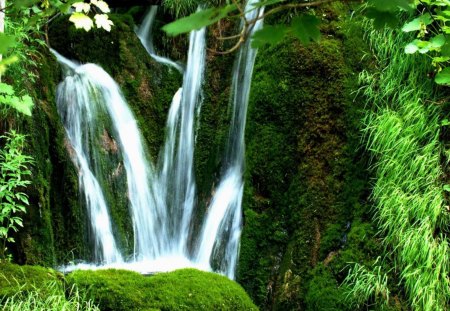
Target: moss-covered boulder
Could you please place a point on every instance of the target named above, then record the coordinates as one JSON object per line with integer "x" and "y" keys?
{"x": 186, "y": 289}
{"x": 117, "y": 290}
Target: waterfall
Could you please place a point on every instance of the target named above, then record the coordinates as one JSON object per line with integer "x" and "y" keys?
{"x": 144, "y": 33}
{"x": 219, "y": 241}
{"x": 162, "y": 198}
{"x": 79, "y": 108}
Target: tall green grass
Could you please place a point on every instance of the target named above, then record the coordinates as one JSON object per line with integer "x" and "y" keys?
{"x": 52, "y": 298}
{"x": 402, "y": 134}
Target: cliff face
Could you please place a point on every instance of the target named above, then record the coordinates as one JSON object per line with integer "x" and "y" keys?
{"x": 304, "y": 203}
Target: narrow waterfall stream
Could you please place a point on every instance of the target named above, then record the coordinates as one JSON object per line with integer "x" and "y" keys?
{"x": 162, "y": 197}
{"x": 219, "y": 240}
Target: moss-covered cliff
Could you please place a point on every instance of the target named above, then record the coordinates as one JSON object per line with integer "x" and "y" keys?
{"x": 54, "y": 224}
{"x": 304, "y": 204}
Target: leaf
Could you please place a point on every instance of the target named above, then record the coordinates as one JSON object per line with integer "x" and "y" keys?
{"x": 437, "y": 41}
{"x": 382, "y": 18}
{"x": 418, "y": 45}
{"x": 21, "y": 4}
{"x": 418, "y": 23}
{"x": 102, "y": 21}
{"x": 82, "y": 7}
{"x": 102, "y": 5}
{"x": 445, "y": 122}
{"x": 268, "y": 35}
{"x": 7, "y": 61}
{"x": 22, "y": 104}
{"x": 18, "y": 221}
{"x": 6, "y": 42}
{"x": 446, "y": 188}
{"x": 80, "y": 20}
{"x": 443, "y": 77}
{"x": 445, "y": 49}
{"x": 391, "y": 5}
{"x": 411, "y": 48}
{"x": 6, "y": 89}
{"x": 306, "y": 28}
{"x": 197, "y": 20}
{"x": 65, "y": 7}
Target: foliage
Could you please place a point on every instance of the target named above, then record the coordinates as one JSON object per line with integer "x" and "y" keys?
{"x": 24, "y": 288}
{"x": 28, "y": 17}
{"x": 305, "y": 26}
{"x": 52, "y": 299}
{"x": 364, "y": 285}
{"x": 82, "y": 20}
{"x": 13, "y": 168}
{"x": 8, "y": 97}
{"x": 432, "y": 30}
{"x": 186, "y": 289}
{"x": 15, "y": 279}
{"x": 402, "y": 133}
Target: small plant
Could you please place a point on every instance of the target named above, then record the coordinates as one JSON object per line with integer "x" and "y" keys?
{"x": 50, "y": 298}
{"x": 364, "y": 285}
{"x": 13, "y": 168}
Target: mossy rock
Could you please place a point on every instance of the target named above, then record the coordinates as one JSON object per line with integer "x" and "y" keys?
{"x": 15, "y": 278}
{"x": 186, "y": 289}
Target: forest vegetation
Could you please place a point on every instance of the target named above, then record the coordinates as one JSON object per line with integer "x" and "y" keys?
{"x": 345, "y": 187}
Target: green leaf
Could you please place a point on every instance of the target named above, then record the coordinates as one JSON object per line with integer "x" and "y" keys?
{"x": 269, "y": 35}
{"x": 6, "y": 42}
{"x": 445, "y": 49}
{"x": 391, "y": 5}
{"x": 21, "y": 4}
{"x": 411, "y": 48}
{"x": 437, "y": 41}
{"x": 306, "y": 28}
{"x": 418, "y": 23}
{"x": 443, "y": 77}
{"x": 445, "y": 122}
{"x": 382, "y": 18}
{"x": 198, "y": 20}
{"x": 446, "y": 188}
{"x": 6, "y": 89}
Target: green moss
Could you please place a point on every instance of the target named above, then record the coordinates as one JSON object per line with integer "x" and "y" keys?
{"x": 186, "y": 289}
{"x": 15, "y": 278}
{"x": 324, "y": 292}
{"x": 115, "y": 290}
{"x": 306, "y": 205}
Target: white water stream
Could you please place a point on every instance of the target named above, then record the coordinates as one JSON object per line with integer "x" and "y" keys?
{"x": 162, "y": 199}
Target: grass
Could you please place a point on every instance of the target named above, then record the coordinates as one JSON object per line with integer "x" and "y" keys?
{"x": 54, "y": 299}
{"x": 402, "y": 134}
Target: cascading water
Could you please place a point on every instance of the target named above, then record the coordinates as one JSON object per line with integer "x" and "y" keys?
{"x": 145, "y": 34}
{"x": 79, "y": 109}
{"x": 219, "y": 240}
{"x": 161, "y": 201}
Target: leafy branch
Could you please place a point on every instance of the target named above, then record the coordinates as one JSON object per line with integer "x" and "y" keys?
{"x": 13, "y": 169}
{"x": 305, "y": 27}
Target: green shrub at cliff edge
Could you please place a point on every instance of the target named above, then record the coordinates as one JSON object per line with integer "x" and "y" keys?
{"x": 186, "y": 289}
